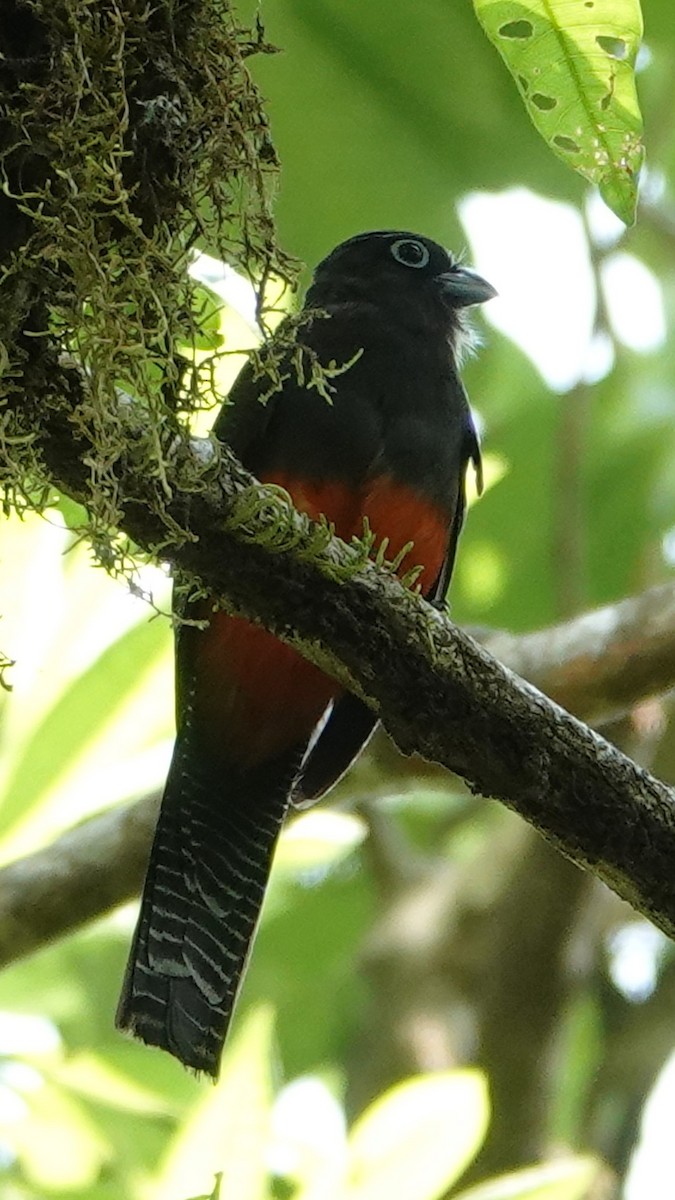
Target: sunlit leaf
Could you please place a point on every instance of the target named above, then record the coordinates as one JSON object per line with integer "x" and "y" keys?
{"x": 90, "y": 1077}
{"x": 318, "y": 840}
{"x": 207, "y": 334}
{"x": 310, "y": 1146}
{"x": 228, "y": 1131}
{"x": 78, "y": 718}
{"x": 573, "y": 61}
{"x": 495, "y": 467}
{"x": 484, "y": 574}
{"x": 58, "y": 1145}
{"x": 571, "y": 1179}
{"x": 416, "y": 1139}
{"x": 90, "y": 683}
{"x": 233, "y": 320}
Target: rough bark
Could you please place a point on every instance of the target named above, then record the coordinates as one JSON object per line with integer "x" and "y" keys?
{"x": 439, "y": 693}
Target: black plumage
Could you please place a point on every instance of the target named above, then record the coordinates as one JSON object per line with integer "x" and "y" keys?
{"x": 393, "y": 444}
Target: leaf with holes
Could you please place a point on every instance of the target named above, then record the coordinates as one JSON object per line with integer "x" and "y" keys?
{"x": 573, "y": 61}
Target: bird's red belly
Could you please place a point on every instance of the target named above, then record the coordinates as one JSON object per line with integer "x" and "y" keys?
{"x": 257, "y": 696}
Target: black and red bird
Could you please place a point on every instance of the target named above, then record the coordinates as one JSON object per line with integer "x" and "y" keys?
{"x": 393, "y": 445}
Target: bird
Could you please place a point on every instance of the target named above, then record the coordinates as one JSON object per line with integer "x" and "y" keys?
{"x": 259, "y": 728}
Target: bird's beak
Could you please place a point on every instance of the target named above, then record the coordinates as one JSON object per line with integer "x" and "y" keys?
{"x": 462, "y": 287}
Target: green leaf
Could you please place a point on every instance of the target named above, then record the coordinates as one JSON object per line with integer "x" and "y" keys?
{"x": 417, "y": 1139}
{"x": 74, "y": 514}
{"x": 227, "y": 1133}
{"x": 317, "y": 841}
{"x": 57, "y": 1144}
{"x": 568, "y": 1180}
{"x": 80, "y": 715}
{"x": 573, "y": 62}
{"x": 206, "y": 310}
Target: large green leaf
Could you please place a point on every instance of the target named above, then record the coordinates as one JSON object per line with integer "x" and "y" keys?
{"x": 227, "y": 1133}
{"x": 57, "y": 1145}
{"x": 418, "y": 1138}
{"x": 80, "y": 716}
{"x": 572, "y": 1179}
{"x": 573, "y": 61}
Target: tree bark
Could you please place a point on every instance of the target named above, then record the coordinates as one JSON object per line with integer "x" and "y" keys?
{"x": 437, "y": 692}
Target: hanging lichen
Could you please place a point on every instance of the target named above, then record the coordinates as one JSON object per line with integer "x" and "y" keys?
{"x": 130, "y": 134}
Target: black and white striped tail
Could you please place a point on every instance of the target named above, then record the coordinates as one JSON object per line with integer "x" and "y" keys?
{"x": 206, "y": 880}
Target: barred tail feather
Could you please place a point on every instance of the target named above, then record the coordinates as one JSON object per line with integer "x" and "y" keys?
{"x": 206, "y": 880}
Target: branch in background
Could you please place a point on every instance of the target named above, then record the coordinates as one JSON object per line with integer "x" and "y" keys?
{"x": 602, "y": 663}
{"x": 85, "y": 872}
{"x": 599, "y": 666}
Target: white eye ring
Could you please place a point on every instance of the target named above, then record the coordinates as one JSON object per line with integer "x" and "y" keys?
{"x": 410, "y": 253}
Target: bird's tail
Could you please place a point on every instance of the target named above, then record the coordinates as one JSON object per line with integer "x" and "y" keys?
{"x": 206, "y": 879}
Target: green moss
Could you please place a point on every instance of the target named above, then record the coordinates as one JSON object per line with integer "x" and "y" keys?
{"x": 130, "y": 134}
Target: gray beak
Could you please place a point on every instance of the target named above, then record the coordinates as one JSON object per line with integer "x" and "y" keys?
{"x": 462, "y": 287}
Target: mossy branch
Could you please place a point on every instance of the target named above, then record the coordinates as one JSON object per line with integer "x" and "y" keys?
{"x": 128, "y": 134}
{"x": 437, "y": 691}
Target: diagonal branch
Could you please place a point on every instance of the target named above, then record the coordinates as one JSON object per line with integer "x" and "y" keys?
{"x": 101, "y": 862}
{"x": 438, "y": 693}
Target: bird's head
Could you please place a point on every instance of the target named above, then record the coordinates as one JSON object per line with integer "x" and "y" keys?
{"x": 410, "y": 278}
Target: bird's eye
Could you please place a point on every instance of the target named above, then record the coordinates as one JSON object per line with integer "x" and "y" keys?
{"x": 410, "y": 252}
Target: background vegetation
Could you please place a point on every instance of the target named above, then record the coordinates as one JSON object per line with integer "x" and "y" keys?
{"x": 409, "y": 928}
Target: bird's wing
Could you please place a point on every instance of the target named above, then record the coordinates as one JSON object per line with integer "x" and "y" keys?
{"x": 471, "y": 453}
{"x": 336, "y": 744}
{"x": 350, "y": 723}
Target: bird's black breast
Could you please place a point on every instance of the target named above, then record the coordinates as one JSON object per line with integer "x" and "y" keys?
{"x": 395, "y": 406}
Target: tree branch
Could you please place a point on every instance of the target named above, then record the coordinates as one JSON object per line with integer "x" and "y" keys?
{"x": 88, "y": 870}
{"x": 438, "y": 693}
{"x": 600, "y": 664}
{"x": 596, "y": 664}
